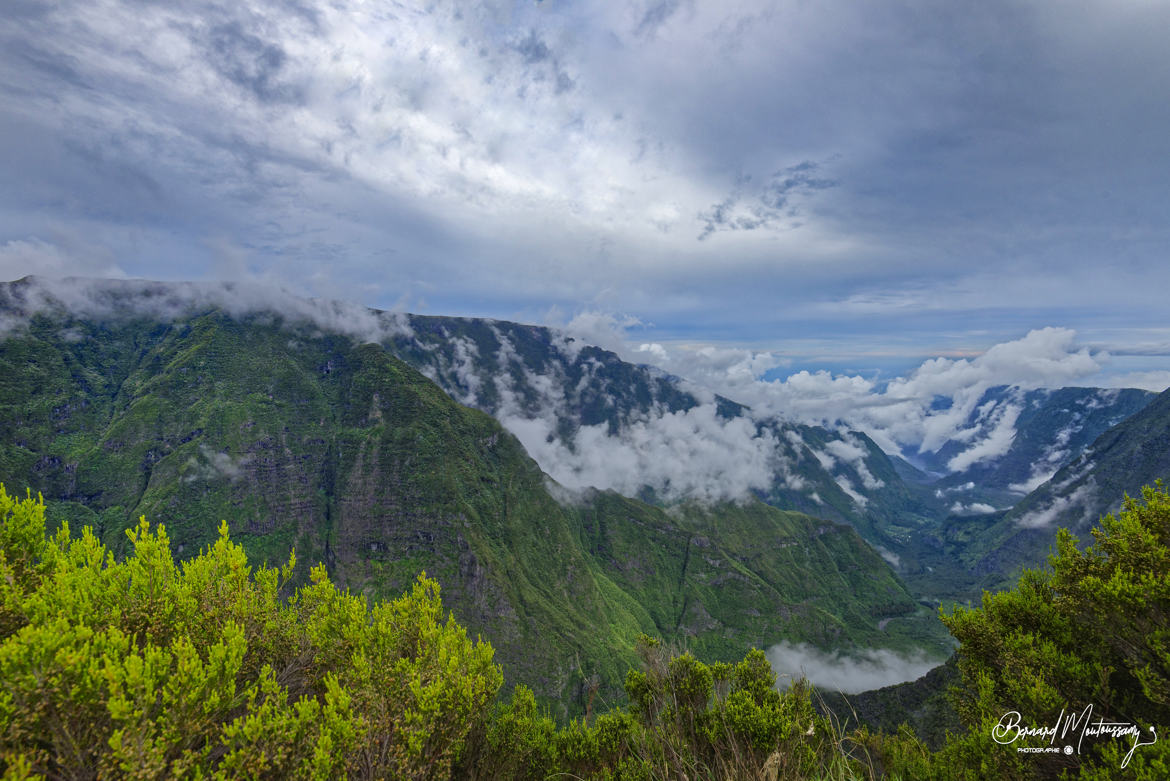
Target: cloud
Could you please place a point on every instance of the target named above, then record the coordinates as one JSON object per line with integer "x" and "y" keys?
{"x": 773, "y": 204}
{"x": 903, "y": 413}
{"x": 492, "y": 158}
{"x": 975, "y": 508}
{"x": 850, "y": 451}
{"x": 603, "y": 329}
{"x": 693, "y": 453}
{"x": 892, "y": 558}
{"x": 250, "y": 62}
{"x": 690, "y": 454}
{"x": 49, "y": 259}
{"x": 1156, "y": 381}
{"x": 865, "y": 671}
{"x": 211, "y": 465}
{"x": 1063, "y": 508}
{"x": 100, "y": 299}
{"x": 995, "y": 442}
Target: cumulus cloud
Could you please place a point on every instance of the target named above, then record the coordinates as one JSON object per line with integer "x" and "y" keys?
{"x": 603, "y": 329}
{"x": 686, "y": 454}
{"x": 867, "y": 670}
{"x": 974, "y": 508}
{"x": 902, "y": 415}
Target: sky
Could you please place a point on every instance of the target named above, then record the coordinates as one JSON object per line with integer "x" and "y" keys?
{"x": 844, "y": 186}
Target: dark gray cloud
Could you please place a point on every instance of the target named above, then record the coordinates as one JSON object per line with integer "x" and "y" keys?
{"x": 544, "y": 63}
{"x": 656, "y": 15}
{"x": 911, "y": 177}
{"x": 774, "y": 204}
{"x": 250, "y": 62}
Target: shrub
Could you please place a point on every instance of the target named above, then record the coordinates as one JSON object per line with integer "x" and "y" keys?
{"x": 145, "y": 668}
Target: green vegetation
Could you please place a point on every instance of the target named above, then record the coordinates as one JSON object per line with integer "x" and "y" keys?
{"x": 344, "y": 452}
{"x": 1093, "y": 630}
{"x": 144, "y": 668}
{"x": 141, "y": 667}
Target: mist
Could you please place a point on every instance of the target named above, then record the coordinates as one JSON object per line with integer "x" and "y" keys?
{"x": 867, "y": 670}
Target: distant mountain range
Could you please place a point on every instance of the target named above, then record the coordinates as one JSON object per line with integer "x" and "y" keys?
{"x": 1124, "y": 458}
{"x": 1045, "y": 430}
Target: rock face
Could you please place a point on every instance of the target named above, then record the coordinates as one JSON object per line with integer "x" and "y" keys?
{"x": 309, "y": 439}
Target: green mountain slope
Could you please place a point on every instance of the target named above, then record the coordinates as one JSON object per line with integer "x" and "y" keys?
{"x": 306, "y": 439}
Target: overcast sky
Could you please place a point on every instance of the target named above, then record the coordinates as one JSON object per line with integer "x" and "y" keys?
{"x": 849, "y": 185}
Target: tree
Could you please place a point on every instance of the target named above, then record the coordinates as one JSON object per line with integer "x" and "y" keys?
{"x": 1088, "y": 638}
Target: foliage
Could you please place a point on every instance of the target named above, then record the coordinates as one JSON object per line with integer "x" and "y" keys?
{"x": 145, "y": 668}
{"x": 142, "y": 667}
{"x": 1094, "y": 630}
{"x": 686, "y": 719}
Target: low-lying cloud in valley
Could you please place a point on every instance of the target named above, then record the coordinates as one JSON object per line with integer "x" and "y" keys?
{"x": 867, "y": 670}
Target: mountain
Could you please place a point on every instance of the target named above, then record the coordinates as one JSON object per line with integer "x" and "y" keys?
{"x": 591, "y": 419}
{"x": 1031, "y": 434}
{"x": 145, "y": 399}
{"x": 1132, "y": 454}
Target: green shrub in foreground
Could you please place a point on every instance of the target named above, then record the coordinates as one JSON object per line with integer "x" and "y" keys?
{"x": 1093, "y": 629}
{"x": 143, "y": 668}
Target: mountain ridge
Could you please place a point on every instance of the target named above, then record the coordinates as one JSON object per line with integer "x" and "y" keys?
{"x": 309, "y": 440}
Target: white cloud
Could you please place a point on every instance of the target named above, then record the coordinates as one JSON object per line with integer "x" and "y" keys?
{"x": 994, "y": 443}
{"x": 851, "y": 452}
{"x": 975, "y": 508}
{"x": 845, "y": 485}
{"x": 688, "y": 454}
{"x": 212, "y": 465}
{"x": 1156, "y": 381}
{"x": 892, "y": 558}
{"x": 1068, "y": 510}
{"x": 99, "y": 299}
{"x": 871, "y": 669}
{"x": 901, "y": 414}
{"x": 603, "y": 329}
{"x": 21, "y": 257}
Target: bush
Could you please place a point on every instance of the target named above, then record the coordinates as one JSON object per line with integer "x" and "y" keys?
{"x": 144, "y": 668}
{"x": 1093, "y": 630}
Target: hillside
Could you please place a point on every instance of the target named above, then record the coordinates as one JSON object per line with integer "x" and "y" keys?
{"x": 592, "y": 419}
{"x": 313, "y": 440}
{"x": 1048, "y": 428}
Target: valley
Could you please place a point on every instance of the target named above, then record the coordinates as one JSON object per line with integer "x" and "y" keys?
{"x": 384, "y": 445}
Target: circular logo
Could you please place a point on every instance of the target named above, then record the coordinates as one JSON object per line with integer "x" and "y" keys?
{"x": 1068, "y": 750}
